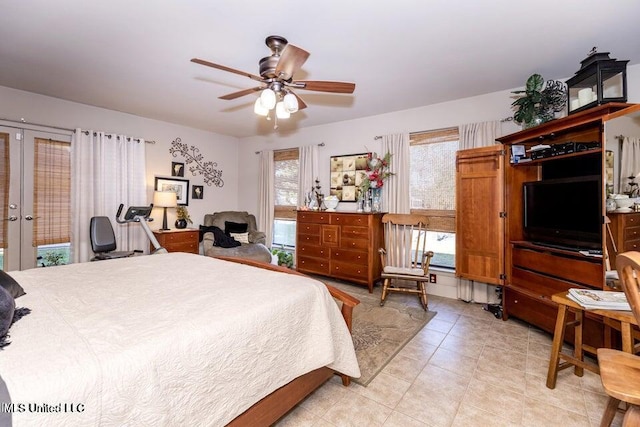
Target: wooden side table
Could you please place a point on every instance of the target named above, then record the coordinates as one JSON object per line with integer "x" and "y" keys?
{"x": 621, "y": 320}
{"x": 179, "y": 240}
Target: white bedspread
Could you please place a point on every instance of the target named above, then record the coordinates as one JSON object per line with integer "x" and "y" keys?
{"x": 171, "y": 339}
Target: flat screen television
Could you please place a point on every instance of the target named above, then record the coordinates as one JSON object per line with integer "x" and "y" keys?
{"x": 564, "y": 212}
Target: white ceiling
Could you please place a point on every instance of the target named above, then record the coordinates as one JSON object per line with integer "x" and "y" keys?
{"x": 134, "y": 56}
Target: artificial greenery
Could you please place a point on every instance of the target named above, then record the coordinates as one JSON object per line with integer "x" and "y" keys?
{"x": 183, "y": 213}
{"x": 284, "y": 258}
{"x": 540, "y": 102}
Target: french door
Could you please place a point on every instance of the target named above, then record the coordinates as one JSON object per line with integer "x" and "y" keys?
{"x": 31, "y": 170}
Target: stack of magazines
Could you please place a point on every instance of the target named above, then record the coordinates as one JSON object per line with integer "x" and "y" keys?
{"x": 599, "y": 300}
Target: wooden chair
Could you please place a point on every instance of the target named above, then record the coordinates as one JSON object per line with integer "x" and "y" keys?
{"x": 620, "y": 371}
{"x": 405, "y": 256}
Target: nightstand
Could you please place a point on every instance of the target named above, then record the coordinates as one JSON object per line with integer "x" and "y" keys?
{"x": 179, "y": 240}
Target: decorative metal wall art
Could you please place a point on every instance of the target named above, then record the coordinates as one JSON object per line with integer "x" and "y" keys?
{"x": 196, "y": 162}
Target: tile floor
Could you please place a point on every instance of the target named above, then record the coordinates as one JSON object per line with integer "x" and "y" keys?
{"x": 465, "y": 368}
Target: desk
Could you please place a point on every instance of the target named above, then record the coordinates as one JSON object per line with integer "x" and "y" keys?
{"x": 621, "y": 320}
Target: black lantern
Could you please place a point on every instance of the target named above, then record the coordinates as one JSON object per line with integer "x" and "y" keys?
{"x": 599, "y": 80}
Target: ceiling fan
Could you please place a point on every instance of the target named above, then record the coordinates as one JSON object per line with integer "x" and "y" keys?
{"x": 276, "y": 80}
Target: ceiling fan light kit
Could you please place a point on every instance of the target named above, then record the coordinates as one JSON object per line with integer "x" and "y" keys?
{"x": 276, "y": 76}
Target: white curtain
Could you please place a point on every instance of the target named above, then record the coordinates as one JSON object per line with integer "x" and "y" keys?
{"x": 307, "y": 170}
{"x": 474, "y": 135}
{"x": 106, "y": 170}
{"x": 395, "y": 191}
{"x": 266, "y": 195}
{"x": 629, "y": 160}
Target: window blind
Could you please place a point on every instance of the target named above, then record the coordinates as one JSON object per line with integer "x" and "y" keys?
{"x": 432, "y": 182}
{"x": 52, "y": 192}
{"x": 286, "y": 183}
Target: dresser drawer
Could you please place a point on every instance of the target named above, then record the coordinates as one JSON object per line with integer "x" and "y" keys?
{"x": 631, "y": 220}
{"x": 349, "y": 271}
{"x": 355, "y": 232}
{"x": 313, "y": 251}
{"x": 632, "y": 233}
{"x": 312, "y": 239}
{"x": 355, "y": 244}
{"x": 313, "y": 265}
{"x": 185, "y": 236}
{"x": 313, "y": 217}
{"x": 182, "y": 247}
{"x": 309, "y": 228}
{"x": 350, "y": 219}
{"x": 633, "y": 245}
{"x": 351, "y": 256}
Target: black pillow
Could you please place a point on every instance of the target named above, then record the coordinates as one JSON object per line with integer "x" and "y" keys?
{"x": 206, "y": 229}
{"x": 222, "y": 240}
{"x": 235, "y": 227}
{"x": 8, "y": 283}
{"x": 7, "y": 308}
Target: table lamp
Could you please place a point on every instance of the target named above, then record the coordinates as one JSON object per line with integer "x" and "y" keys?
{"x": 165, "y": 199}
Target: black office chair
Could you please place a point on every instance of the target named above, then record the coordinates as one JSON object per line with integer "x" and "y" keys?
{"x": 103, "y": 239}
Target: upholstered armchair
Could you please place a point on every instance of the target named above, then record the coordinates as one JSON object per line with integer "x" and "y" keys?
{"x": 232, "y": 223}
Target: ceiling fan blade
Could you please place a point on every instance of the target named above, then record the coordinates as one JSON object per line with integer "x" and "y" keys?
{"x": 291, "y": 60}
{"x": 223, "y": 68}
{"x": 240, "y": 93}
{"x": 301, "y": 103}
{"x": 321, "y": 86}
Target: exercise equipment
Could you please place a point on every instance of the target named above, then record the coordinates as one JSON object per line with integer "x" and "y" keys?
{"x": 140, "y": 214}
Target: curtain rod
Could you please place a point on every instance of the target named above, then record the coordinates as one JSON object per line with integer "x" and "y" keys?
{"x": 24, "y": 122}
{"x": 86, "y": 132}
{"x": 319, "y": 145}
{"x": 377, "y": 137}
{"x": 619, "y": 137}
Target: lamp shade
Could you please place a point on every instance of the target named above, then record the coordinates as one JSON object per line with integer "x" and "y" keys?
{"x": 165, "y": 199}
{"x": 268, "y": 99}
{"x": 290, "y": 103}
{"x": 281, "y": 111}
{"x": 259, "y": 109}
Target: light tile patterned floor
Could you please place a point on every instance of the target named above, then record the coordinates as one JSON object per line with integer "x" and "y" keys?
{"x": 465, "y": 368}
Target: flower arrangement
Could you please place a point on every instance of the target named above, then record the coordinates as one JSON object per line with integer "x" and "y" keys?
{"x": 183, "y": 213}
{"x": 376, "y": 172}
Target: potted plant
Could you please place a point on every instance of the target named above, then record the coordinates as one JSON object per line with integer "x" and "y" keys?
{"x": 540, "y": 102}
{"x": 284, "y": 258}
{"x": 183, "y": 217}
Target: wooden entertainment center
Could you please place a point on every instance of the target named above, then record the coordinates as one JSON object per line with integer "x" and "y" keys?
{"x": 492, "y": 243}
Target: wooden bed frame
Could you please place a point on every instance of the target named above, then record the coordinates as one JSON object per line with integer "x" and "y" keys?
{"x": 272, "y": 407}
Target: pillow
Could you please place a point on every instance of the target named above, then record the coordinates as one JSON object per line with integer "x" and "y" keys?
{"x": 206, "y": 229}
{"x": 7, "y": 308}
{"x": 222, "y": 240}
{"x": 7, "y": 282}
{"x": 240, "y": 237}
{"x": 235, "y": 227}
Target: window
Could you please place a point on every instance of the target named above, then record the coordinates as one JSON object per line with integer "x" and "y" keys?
{"x": 52, "y": 201}
{"x": 286, "y": 167}
{"x": 432, "y": 189}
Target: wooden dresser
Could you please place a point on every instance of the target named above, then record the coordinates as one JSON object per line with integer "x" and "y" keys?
{"x": 184, "y": 240}
{"x": 625, "y": 228}
{"x": 342, "y": 245}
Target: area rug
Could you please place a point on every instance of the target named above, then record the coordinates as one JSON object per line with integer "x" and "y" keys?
{"x": 379, "y": 333}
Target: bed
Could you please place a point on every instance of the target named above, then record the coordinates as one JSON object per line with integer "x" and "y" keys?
{"x": 171, "y": 339}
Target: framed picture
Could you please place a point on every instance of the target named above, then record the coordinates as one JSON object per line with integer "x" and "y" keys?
{"x": 346, "y": 175}
{"x": 179, "y": 186}
{"x": 197, "y": 192}
{"x": 177, "y": 169}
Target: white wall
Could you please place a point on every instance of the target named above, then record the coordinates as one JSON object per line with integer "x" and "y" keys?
{"x": 357, "y": 136}
{"x": 16, "y": 104}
